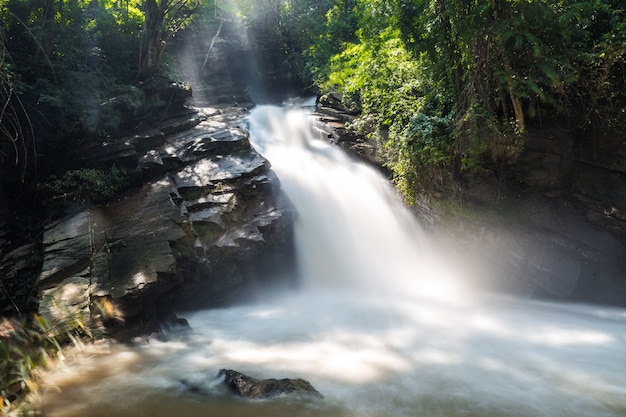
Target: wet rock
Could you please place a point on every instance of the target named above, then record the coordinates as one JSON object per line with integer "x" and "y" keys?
{"x": 559, "y": 255}
{"x": 120, "y": 254}
{"x": 180, "y": 124}
{"x": 146, "y": 140}
{"x": 249, "y": 387}
{"x": 67, "y": 248}
{"x": 335, "y": 102}
{"x": 199, "y": 229}
{"x": 19, "y": 269}
{"x": 172, "y": 324}
{"x": 152, "y": 164}
{"x": 120, "y": 154}
{"x": 209, "y": 173}
{"x": 205, "y": 141}
{"x": 561, "y": 237}
{"x": 331, "y": 118}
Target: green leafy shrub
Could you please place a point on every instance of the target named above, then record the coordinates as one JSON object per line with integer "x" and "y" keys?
{"x": 88, "y": 185}
{"x": 25, "y": 347}
{"x": 381, "y": 78}
{"x": 76, "y": 65}
{"x": 424, "y": 155}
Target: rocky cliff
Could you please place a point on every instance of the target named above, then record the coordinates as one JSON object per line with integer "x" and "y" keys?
{"x": 207, "y": 221}
{"x": 204, "y": 220}
{"x": 560, "y": 233}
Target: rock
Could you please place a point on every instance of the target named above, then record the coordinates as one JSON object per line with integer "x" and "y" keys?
{"x": 67, "y": 248}
{"x": 146, "y": 140}
{"x": 249, "y": 387}
{"x": 179, "y": 124}
{"x": 120, "y": 154}
{"x": 547, "y": 251}
{"x": 199, "y": 231}
{"x": 162, "y": 89}
{"x": 213, "y": 173}
{"x": 152, "y": 165}
{"x": 205, "y": 141}
{"x": 120, "y": 254}
{"x": 335, "y": 102}
{"x": 330, "y": 120}
{"x": 19, "y": 268}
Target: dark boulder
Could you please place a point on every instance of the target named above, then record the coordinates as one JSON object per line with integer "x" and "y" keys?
{"x": 249, "y": 387}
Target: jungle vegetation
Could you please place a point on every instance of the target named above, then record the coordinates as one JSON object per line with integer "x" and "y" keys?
{"x": 448, "y": 88}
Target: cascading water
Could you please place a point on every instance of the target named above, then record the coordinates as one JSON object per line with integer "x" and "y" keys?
{"x": 352, "y": 230}
{"x": 378, "y": 326}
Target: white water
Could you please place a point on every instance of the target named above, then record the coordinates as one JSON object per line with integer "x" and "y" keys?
{"x": 380, "y": 326}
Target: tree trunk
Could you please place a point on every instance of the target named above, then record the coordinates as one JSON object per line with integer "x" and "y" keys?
{"x": 518, "y": 110}
{"x": 150, "y": 39}
{"x": 48, "y": 37}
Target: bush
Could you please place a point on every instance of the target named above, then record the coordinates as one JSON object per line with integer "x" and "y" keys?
{"x": 25, "y": 347}
{"x": 87, "y": 184}
{"x": 424, "y": 155}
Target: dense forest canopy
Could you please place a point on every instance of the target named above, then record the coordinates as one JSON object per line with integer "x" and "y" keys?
{"x": 447, "y": 87}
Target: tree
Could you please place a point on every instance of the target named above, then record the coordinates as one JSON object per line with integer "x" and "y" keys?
{"x": 162, "y": 19}
{"x": 73, "y": 67}
{"x": 486, "y": 68}
{"x": 314, "y": 31}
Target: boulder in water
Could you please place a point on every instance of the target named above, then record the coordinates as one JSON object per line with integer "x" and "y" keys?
{"x": 249, "y": 387}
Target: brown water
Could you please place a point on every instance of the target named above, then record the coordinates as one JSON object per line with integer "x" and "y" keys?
{"x": 502, "y": 357}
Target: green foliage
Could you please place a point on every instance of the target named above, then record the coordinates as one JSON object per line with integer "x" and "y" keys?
{"x": 424, "y": 154}
{"x": 406, "y": 116}
{"x": 27, "y": 346}
{"x": 335, "y": 28}
{"x": 379, "y": 77}
{"x": 87, "y": 185}
{"x": 450, "y": 87}
{"x": 74, "y": 60}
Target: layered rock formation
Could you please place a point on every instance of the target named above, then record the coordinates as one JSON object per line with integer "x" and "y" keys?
{"x": 560, "y": 233}
{"x": 207, "y": 212}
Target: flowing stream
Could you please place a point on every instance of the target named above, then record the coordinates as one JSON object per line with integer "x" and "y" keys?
{"x": 381, "y": 324}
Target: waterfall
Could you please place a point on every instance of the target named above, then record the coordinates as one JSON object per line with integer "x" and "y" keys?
{"x": 382, "y": 325}
{"x": 352, "y": 229}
